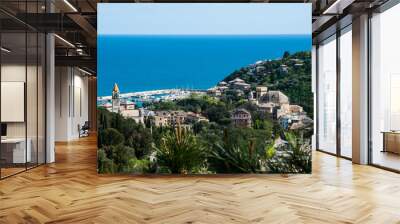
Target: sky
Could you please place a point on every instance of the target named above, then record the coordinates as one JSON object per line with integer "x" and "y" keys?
{"x": 203, "y": 19}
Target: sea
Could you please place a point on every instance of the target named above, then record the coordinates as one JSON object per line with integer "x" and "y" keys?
{"x": 153, "y": 62}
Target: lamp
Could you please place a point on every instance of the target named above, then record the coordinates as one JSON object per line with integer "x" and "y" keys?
{"x": 84, "y": 71}
{"x": 64, "y": 40}
{"x": 70, "y": 5}
{"x": 5, "y": 50}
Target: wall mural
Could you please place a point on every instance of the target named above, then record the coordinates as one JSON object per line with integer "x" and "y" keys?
{"x": 204, "y": 88}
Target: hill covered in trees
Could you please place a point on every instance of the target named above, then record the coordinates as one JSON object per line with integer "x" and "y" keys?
{"x": 290, "y": 74}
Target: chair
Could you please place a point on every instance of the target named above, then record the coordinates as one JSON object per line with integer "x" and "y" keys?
{"x": 84, "y": 130}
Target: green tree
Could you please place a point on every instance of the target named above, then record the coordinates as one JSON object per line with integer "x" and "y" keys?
{"x": 218, "y": 114}
{"x": 286, "y": 54}
{"x": 110, "y": 136}
{"x": 104, "y": 164}
{"x": 141, "y": 140}
{"x": 121, "y": 156}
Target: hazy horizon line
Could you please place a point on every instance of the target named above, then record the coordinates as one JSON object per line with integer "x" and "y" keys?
{"x": 273, "y": 34}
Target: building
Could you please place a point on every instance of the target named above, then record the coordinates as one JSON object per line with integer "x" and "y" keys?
{"x": 261, "y": 91}
{"x": 276, "y": 97}
{"x": 285, "y": 109}
{"x": 275, "y": 103}
{"x": 284, "y": 69}
{"x": 177, "y": 117}
{"x": 268, "y": 107}
{"x": 295, "y": 121}
{"x": 222, "y": 83}
{"x": 295, "y": 109}
{"x": 126, "y": 104}
{"x": 214, "y": 91}
{"x": 195, "y": 117}
{"x": 298, "y": 65}
{"x": 239, "y": 84}
{"x": 135, "y": 114}
{"x": 241, "y": 118}
{"x": 116, "y": 101}
{"x": 162, "y": 118}
{"x": 260, "y": 68}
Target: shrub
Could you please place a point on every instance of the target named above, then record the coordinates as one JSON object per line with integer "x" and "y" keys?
{"x": 138, "y": 165}
{"x": 121, "y": 155}
{"x": 180, "y": 151}
{"x": 229, "y": 157}
{"x": 114, "y": 159}
{"x": 104, "y": 164}
{"x": 237, "y": 159}
{"x": 292, "y": 157}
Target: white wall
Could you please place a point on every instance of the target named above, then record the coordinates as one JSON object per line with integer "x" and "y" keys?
{"x": 17, "y": 73}
{"x": 10, "y": 73}
{"x": 33, "y": 126}
{"x": 61, "y": 103}
{"x": 71, "y": 103}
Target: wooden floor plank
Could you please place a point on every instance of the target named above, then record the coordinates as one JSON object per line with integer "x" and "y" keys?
{"x": 70, "y": 191}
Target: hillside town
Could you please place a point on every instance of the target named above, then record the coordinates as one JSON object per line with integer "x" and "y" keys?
{"x": 272, "y": 102}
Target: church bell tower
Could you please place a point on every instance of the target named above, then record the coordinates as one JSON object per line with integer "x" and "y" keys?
{"x": 115, "y": 99}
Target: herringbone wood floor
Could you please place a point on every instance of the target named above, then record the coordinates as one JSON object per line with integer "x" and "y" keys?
{"x": 70, "y": 191}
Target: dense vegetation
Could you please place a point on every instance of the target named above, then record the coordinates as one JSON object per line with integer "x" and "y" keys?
{"x": 209, "y": 147}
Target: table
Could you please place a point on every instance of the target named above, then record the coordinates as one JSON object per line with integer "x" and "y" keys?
{"x": 13, "y": 150}
{"x": 391, "y": 141}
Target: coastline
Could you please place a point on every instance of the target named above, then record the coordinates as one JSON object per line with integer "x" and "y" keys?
{"x": 148, "y": 93}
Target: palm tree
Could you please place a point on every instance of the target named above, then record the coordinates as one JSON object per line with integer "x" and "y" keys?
{"x": 180, "y": 151}
{"x": 292, "y": 157}
{"x": 236, "y": 158}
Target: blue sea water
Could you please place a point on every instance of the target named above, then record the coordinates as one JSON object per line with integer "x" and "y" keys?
{"x": 140, "y": 62}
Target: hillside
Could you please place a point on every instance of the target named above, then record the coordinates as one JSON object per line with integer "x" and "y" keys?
{"x": 291, "y": 74}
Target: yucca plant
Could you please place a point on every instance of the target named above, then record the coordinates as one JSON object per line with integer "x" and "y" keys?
{"x": 180, "y": 151}
{"x": 292, "y": 157}
{"x": 237, "y": 158}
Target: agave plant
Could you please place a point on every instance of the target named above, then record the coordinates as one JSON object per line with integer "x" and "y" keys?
{"x": 236, "y": 158}
{"x": 180, "y": 151}
{"x": 292, "y": 157}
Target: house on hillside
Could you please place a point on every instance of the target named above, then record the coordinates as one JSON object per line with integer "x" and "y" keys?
{"x": 214, "y": 91}
{"x": 126, "y": 105}
{"x": 134, "y": 114}
{"x": 241, "y": 118}
{"x": 276, "y": 97}
{"x": 283, "y": 69}
{"x": 261, "y": 91}
{"x": 162, "y": 118}
{"x": 239, "y": 84}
